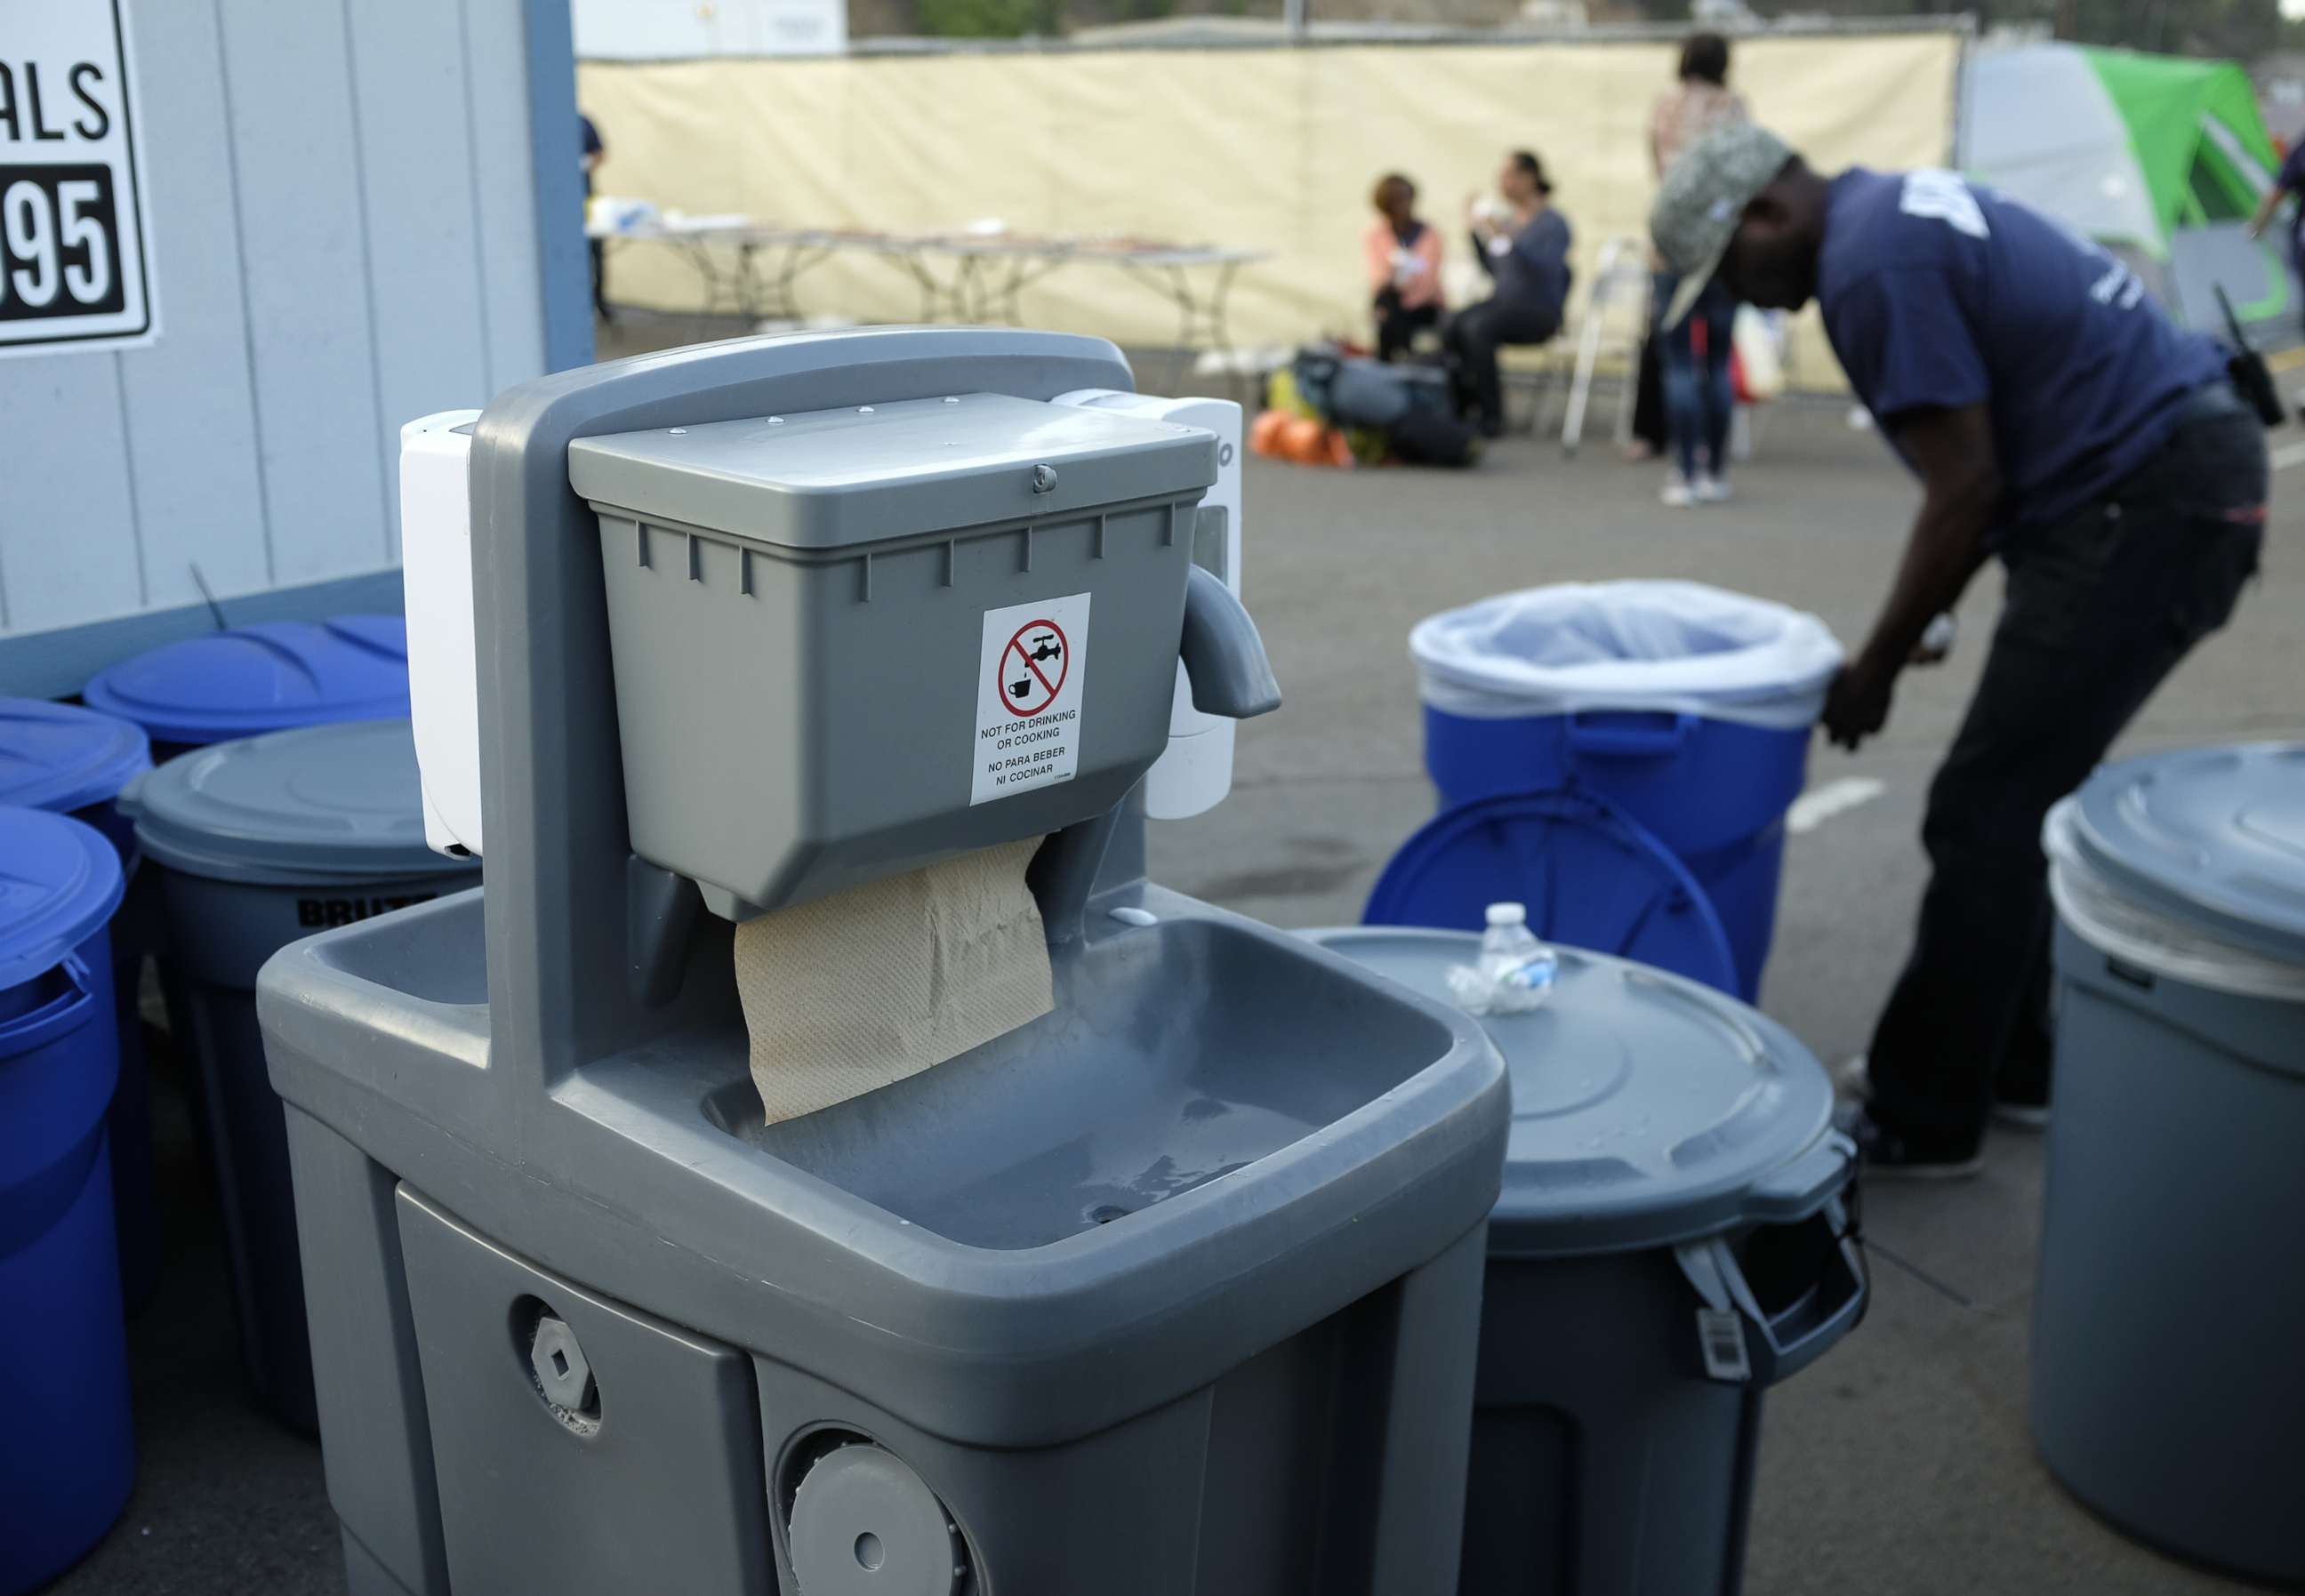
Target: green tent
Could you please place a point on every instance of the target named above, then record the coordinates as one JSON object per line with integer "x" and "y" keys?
{"x": 2160, "y": 158}
{"x": 2194, "y": 128}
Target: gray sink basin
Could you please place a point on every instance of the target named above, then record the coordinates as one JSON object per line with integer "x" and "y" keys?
{"x": 1126, "y": 1095}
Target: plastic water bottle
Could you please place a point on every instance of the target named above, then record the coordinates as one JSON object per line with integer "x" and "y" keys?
{"x": 1520, "y": 968}
{"x": 1516, "y": 972}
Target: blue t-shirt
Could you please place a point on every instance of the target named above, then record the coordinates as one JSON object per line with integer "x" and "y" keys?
{"x": 1531, "y": 267}
{"x": 1940, "y": 293}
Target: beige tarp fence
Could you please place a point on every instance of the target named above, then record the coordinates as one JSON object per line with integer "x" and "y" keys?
{"x": 1270, "y": 149}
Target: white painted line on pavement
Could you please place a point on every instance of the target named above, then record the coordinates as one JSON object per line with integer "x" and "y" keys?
{"x": 1815, "y": 807}
{"x": 2294, "y": 455}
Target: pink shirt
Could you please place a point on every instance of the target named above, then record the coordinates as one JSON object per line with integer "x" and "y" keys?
{"x": 1414, "y": 269}
{"x": 1687, "y": 114}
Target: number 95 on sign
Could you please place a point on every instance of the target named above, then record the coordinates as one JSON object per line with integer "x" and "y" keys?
{"x": 74, "y": 273}
{"x": 58, "y": 250}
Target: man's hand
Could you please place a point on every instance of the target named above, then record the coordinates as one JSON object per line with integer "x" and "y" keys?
{"x": 1960, "y": 483}
{"x": 2265, "y": 209}
{"x": 1857, "y": 705}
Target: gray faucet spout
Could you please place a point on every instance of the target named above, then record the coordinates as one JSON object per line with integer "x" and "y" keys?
{"x": 1223, "y": 655}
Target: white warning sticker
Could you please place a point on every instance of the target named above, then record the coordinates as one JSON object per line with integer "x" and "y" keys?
{"x": 1033, "y": 666}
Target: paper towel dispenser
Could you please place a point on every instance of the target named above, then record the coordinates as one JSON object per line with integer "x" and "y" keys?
{"x": 436, "y": 570}
{"x": 853, "y": 641}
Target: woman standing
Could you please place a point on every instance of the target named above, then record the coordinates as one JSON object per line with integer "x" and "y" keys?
{"x": 1694, "y": 353}
{"x": 1404, "y": 267}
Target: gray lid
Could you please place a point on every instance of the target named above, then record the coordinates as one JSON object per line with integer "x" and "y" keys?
{"x": 829, "y": 480}
{"x": 338, "y": 803}
{"x": 2211, "y": 836}
{"x": 1646, "y": 1109}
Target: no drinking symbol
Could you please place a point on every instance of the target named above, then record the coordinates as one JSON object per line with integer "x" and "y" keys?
{"x": 1031, "y": 668}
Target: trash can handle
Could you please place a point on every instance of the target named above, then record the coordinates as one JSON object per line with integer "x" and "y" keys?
{"x": 1770, "y": 1354}
{"x": 1647, "y": 739}
{"x": 1797, "y": 1190}
{"x": 35, "y": 1026}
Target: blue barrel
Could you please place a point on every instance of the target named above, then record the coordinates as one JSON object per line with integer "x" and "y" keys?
{"x": 1586, "y": 874}
{"x": 72, "y": 762}
{"x": 75, "y": 761}
{"x": 1687, "y": 707}
{"x": 267, "y": 677}
{"x": 67, "y": 1451}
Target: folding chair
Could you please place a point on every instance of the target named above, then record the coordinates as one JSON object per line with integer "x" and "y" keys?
{"x": 1615, "y": 320}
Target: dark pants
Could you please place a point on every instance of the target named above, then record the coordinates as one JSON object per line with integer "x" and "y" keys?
{"x": 600, "y": 280}
{"x": 2101, "y": 606}
{"x": 1474, "y": 338}
{"x": 1648, "y": 397}
{"x": 1698, "y": 400}
{"x": 1397, "y": 325}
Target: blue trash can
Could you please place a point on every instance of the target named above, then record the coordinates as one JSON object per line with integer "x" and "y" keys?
{"x": 267, "y": 677}
{"x": 1588, "y": 877}
{"x": 67, "y": 1453}
{"x": 1687, "y": 706}
{"x": 74, "y": 761}
{"x": 255, "y": 845}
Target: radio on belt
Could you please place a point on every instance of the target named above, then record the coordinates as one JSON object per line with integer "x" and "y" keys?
{"x": 1172, "y": 1291}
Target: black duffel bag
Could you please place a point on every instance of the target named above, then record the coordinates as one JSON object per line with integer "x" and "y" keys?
{"x": 1409, "y": 404}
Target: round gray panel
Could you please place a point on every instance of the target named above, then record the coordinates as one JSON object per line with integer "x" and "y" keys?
{"x": 865, "y": 1525}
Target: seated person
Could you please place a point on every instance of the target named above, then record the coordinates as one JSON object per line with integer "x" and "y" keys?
{"x": 1404, "y": 267}
{"x": 1526, "y": 253}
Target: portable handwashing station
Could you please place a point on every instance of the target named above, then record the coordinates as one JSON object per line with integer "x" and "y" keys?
{"x": 786, "y": 651}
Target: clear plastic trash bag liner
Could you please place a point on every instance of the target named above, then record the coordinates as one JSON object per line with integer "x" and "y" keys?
{"x": 1672, "y": 647}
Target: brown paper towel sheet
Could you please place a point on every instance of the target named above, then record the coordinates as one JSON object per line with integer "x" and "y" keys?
{"x": 866, "y": 987}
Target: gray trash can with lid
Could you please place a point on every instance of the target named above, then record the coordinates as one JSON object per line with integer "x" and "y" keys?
{"x": 2168, "y": 1384}
{"x": 1672, "y": 1238}
{"x": 1172, "y": 1291}
{"x": 258, "y": 843}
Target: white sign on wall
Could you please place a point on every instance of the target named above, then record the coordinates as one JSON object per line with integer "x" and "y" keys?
{"x": 74, "y": 268}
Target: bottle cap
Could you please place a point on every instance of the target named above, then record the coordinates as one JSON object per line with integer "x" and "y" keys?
{"x": 1507, "y": 915}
